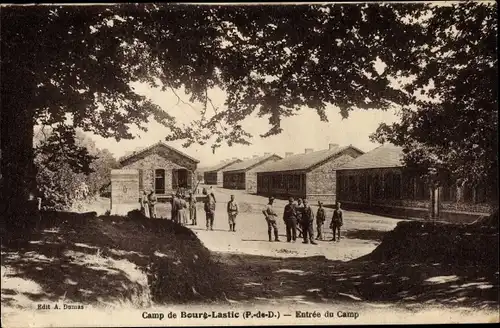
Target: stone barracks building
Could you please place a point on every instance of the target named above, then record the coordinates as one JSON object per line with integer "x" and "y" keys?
{"x": 214, "y": 175}
{"x": 159, "y": 167}
{"x": 243, "y": 175}
{"x": 376, "y": 182}
{"x": 309, "y": 175}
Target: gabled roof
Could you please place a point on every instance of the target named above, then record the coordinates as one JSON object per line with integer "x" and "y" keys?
{"x": 306, "y": 161}
{"x": 249, "y": 164}
{"x": 221, "y": 166}
{"x": 383, "y": 156}
{"x": 158, "y": 144}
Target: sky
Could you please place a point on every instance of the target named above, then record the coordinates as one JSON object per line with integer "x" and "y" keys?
{"x": 305, "y": 130}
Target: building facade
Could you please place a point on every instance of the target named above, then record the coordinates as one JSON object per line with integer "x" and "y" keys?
{"x": 162, "y": 168}
{"x": 243, "y": 175}
{"x": 309, "y": 175}
{"x": 214, "y": 175}
{"x": 377, "y": 182}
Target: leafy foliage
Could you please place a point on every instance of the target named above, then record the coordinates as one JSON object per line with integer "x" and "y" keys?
{"x": 64, "y": 168}
{"x": 455, "y": 131}
{"x": 78, "y": 62}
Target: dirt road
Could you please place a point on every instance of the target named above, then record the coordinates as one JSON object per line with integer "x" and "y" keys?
{"x": 361, "y": 232}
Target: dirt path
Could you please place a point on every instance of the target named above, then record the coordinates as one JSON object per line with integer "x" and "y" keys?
{"x": 296, "y": 273}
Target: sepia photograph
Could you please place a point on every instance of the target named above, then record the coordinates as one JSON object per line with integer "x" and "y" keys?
{"x": 249, "y": 164}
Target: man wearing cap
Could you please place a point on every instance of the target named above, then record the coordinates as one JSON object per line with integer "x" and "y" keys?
{"x": 307, "y": 224}
{"x": 192, "y": 208}
{"x": 320, "y": 221}
{"x": 232, "y": 212}
{"x": 290, "y": 219}
{"x": 271, "y": 216}
{"x": 337, "y": 221}
{"x": 209, "y": 207}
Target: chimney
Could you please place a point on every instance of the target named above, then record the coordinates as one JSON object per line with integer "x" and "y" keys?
{"x": 309, "y": 150}
{"x": 288, "y": 154}
{"x": 255, "y": 156}
{"x": 234, "y": 158}
{"x": 266, "y": 154}
{"x": 332, "y": 146}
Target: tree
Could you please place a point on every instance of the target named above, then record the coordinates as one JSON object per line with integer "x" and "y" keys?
{"x": 456, "y": 131}
{"x": 61, "y": 172}
{"x": 268, "y": 60}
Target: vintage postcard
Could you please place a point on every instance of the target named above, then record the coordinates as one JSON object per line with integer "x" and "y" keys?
{"x": 249, "y": 164}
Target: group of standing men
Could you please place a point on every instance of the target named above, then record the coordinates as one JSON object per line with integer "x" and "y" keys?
{"x": 183, "y": 205}
{"x": 300, "y": 217}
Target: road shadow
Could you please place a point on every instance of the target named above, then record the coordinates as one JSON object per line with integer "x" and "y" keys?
{"x": 375, "y": 235}
{"x": 316, "y": 279}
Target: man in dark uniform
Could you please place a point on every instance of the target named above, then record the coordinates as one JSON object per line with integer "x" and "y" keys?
{"x": 320, "y": 221}
{"x": 337, "y": 221}
{"x": 290, "y": 219}
{"x": 209, "y": 207}
{"x": 307, "y": 224}
{"x": 299, "y": 210}
{"x": 271, "y": 216}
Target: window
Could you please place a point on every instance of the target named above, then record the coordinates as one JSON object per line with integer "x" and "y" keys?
{"x": 363, "y": 191}
{"x": 422, "y": 191}
{"x": 408, "y": 186}
{"x": 481, "y": 194}
{"x": 160, "y": 181}
{"x": 294, "y": 182}
{"x": 377, "y": 187}
{"x": 388, "y": 185}
{"x": 468, "y": 195}
{"x": 397, "y": 186}
{"x": 352, "y": 187}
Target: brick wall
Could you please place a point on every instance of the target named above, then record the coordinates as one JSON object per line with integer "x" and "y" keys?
{"x": 149, "y": 164}
{"x": 220, "y": 178}
{"x": 321, "y": 181}
{"x": 210, "y": 178}
{"x": 251, "y": 182}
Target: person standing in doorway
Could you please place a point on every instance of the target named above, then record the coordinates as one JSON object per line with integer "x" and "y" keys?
{"x": 144, "y": 204}
{"x": 152, "y": 200}
{"x": 320, "y": 221}
{"x": 232, "y": 212}
{"x": 271, "y": 216}
{"x": 337, "y": 221}
{"x": 192, "y": 208}
{"x": 209, "y": 206}
{"x": 290, "y": 219}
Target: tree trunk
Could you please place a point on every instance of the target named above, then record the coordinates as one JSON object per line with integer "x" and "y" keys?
{"x": 18, "y": 171}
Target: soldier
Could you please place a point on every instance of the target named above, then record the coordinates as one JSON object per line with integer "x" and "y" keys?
{"x": 271, "y": 216}
{"x": 192, "y": 208}
{"x": 209, "y": 207}
{"x": 320, "y": 221}
{"x": 152, "y": 200}
{"x": 144, "y": 204}
{"x": 337, "y": 221}
{"x": 307, "y": 224}
{"x": 232, "y": 212}
{"x": 299, "y": 209}
{"x": 290, "y": 219}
